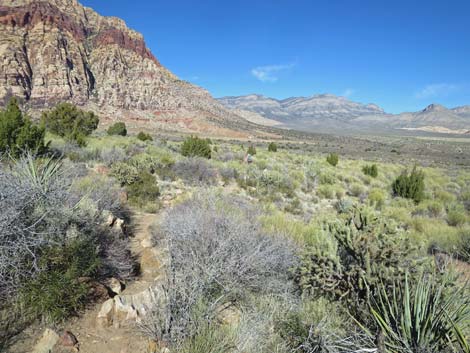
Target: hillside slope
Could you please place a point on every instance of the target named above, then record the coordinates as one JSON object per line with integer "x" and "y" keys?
{"x": 58, "y": 50}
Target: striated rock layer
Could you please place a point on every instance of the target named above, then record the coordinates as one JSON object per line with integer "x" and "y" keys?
{"x": 57, "y": 50}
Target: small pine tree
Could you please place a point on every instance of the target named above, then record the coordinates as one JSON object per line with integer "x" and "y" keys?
{"x": 117, "y": 129}
{"x": 410, "y": 186}
{"x": 272, "y": 147}
{"x": 18, "y": 133}
{"x": 193, "y": 146}
{"x": 142, "y": 136}
{"x": 371, "y": 170}
{"x": 69, "y": 121}
{"x": 332, "y": 159}
{"x": 251, "y": 150}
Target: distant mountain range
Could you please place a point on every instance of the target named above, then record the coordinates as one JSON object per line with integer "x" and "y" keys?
{"x": 330, "y": 113}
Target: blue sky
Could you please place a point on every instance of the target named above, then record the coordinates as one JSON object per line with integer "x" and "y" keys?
{"x": 401, "y": 55}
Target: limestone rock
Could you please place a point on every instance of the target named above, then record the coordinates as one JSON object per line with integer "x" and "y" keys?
{"x": 47, "y": 342}
{"x": 105, "y": 316}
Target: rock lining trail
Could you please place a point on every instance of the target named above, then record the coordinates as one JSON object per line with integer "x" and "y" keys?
{"x": 118, "y": 334}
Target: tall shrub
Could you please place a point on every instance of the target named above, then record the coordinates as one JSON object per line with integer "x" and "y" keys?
{"x": 17, "y": 133}
{"x": 193, "y": 146}
{"x": 410, "y": 185}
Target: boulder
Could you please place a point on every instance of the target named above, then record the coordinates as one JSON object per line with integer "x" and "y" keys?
{"x": 115, "y": 286}
{"x": 47, "y": 342}
{"x": 105, "y": 316}
{"x": 68, "y": 339}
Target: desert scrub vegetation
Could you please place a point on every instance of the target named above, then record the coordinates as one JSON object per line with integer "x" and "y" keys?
{"x": 68, "y": 121}
{"x": 410, "y": 185}
{"x": 194, "y": 146}
{"x": 18, "y": 134}
{"x": 332, "y": 159}
{"x": 117, "y": 129}
{"x": 51, "y": 235}
{"x": 218, "y": 255}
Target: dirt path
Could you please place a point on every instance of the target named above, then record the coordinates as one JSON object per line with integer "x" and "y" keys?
{"x": 119, "y": 337}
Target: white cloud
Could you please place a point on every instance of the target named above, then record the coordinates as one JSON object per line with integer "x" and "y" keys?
{"x": 348, "y": 92}
{"x": 269, "y": 73}
{"x": 437, "y": 90}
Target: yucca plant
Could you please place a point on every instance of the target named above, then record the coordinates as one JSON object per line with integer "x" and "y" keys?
{"x": 428, "y": 315}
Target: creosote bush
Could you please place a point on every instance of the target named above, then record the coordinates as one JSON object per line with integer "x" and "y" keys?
{"x": 17, "y": 132}
{"x": 272, "y": 147}
{"x": 194, "y": 146}
{"x": 117, "y": 129}
{"x": 410, "y": 185}
{"x": 251, "y": 150}
{"x": 67, "y": 120}
{"x": 332, "y": 159}
{"x": 371, "y": 170}
{"x": 142, "y": 136}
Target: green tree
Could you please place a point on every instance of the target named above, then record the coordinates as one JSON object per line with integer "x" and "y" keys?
{"x": 193, "y": 146}
{"x": 69, "y": 121}
{"x": 18, "y": 133}
{"x": 117, "y": 129}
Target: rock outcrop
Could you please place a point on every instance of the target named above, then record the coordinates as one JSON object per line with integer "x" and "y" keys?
{"x": 59, "y": 50}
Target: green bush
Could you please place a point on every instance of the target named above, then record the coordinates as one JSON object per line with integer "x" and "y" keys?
{"x": 142, "y": 136}
{"x": 57, "y": 292}
{"x": 332, "y": 159}
{"x": 69, "y": 121}
{"x": 143, "y": 190}
{"x": 126, "y": 174}
{"x": 272, "y": 147}
{"x": 456, "y": 215}
{"x": 193, "y": 146}
{"x": 377, "y": 197}
{"x": 410, "y": 186}
{"x": 18, "y": 134}
{"x": 117, "y": 129}
{"x": 371, "y": 170}
{"x": 357, "y": 190}
{"x": 251, "y": 150}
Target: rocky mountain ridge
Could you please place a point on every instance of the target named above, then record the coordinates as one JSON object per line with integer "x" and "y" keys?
{"x": 330, "y": 113}
{"x": 59, "y": 50}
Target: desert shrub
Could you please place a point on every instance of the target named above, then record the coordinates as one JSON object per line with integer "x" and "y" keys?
{"x": 369, "y": 252}
{"x": 69, "y": 121}
{"x": 326, "y": 192}
{"x": 112, "y": 155}
{"x": 444, "y": 196}
{"x": 272, "y": 147}
{"x": 59, "y": 269}
{"x": 51, "y": 236}
{"x": 193, "y": 146}
{"x": 326, "y": 178}
{"x": 124, "y": 173}
{"x": 117, "y": 129}
{"x": 430, "y": 314}
{"x": 465, "y": 198}
{"x": 410, "y": 185}
{"x": 18, "y": 134}
{"x": 142, "y": 136}
{"x": 456, "y": 215}
{"x": 218, "y": 256}
{"x": 227, "y": 174}
{"x": 377, "y": 197}
{"x": 251, "y": 150}
{"x": 332, "y": 159}
{"x": 320, "y": 326}
{"x": 357, "y": 190}
{"x": 434, "y": 208}
{"x": 371, "y": 170}
{"x": 143, "y": 190}
{"x": 195, "y": 171}
{"x": 464, "y": 245}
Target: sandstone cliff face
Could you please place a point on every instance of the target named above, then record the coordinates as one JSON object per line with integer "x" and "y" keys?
{"x": 56, "y": 50}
